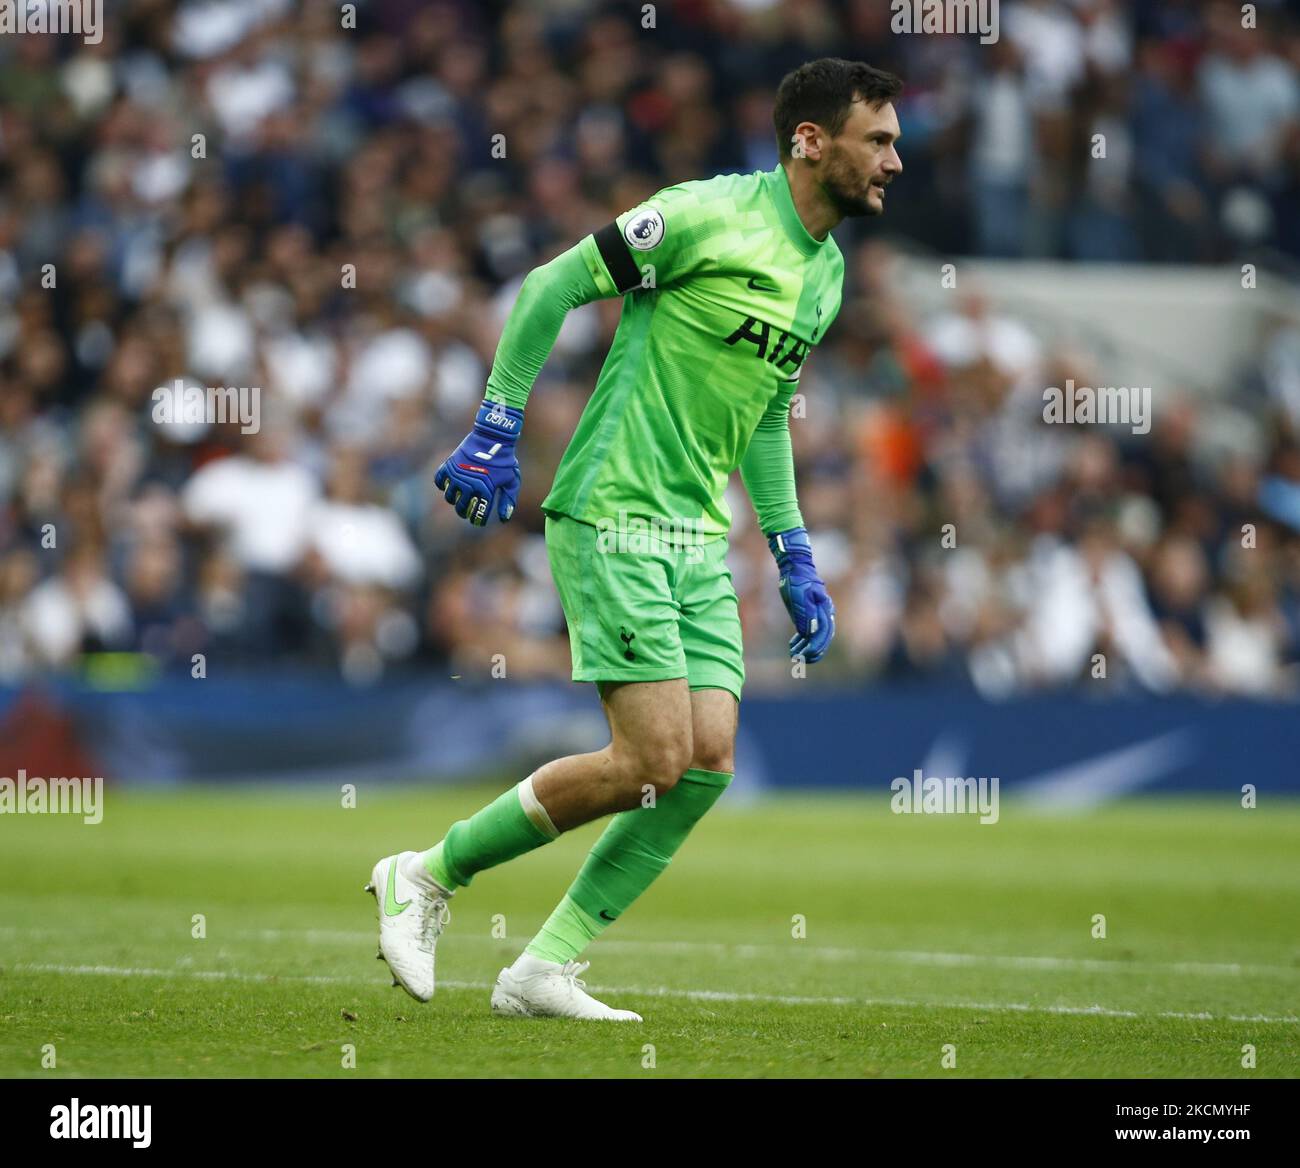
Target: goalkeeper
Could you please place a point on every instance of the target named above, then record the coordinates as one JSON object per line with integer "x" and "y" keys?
{"x": 727, "y": 284}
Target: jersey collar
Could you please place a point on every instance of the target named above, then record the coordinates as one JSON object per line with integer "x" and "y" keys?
{"x": 778, "y": 186}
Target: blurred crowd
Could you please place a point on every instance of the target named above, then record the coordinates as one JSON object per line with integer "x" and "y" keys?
{"x": 248, "y": 193}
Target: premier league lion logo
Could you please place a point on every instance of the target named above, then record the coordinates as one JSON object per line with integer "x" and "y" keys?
{"x": 645, "y": 230}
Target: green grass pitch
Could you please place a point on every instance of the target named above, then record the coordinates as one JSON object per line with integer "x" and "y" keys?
{"x": 921, "y": 933}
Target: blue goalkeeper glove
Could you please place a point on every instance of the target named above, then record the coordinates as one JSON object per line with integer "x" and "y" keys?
{"x": 804, "y": 593}
{"x": 484, "y": 472}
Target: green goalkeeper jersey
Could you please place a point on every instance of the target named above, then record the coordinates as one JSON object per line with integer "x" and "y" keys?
{"x": 724, "y": 295}
{"x": 726, "y": 292}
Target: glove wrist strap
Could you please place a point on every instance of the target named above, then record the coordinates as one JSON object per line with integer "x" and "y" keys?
{"x": 790, "y": 546}
{"x": 500, "y": 420}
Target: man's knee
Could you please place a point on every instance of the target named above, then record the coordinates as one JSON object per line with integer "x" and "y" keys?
{"x": 714, "y": 713}
{"x": 716, "y": 754}
{"x": 657, "y": 763}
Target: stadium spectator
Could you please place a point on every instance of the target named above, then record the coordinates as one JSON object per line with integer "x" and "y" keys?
{"x": 240, "y": 194}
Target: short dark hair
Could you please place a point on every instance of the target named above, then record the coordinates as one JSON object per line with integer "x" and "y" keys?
{"x": 822, "y": 91}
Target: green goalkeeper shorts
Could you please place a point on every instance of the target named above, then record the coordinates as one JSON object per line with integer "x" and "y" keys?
{"x": 644, "y": 608}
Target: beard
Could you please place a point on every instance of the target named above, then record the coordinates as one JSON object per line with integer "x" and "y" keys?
{"x": 847, "y": 190}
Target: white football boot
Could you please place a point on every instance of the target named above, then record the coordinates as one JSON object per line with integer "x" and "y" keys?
{"x": 534, "y": 988}
{"x": 412, "y": 915}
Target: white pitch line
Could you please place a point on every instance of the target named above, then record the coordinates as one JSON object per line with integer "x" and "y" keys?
{"x": 214, "y": 975}
{"x": 1020, "y": 1007}
{"x": 751, "y": 951}
{"x": 837, "y": 953}
{"x": 663, "y": 992}
{"x": 197, "y": 974}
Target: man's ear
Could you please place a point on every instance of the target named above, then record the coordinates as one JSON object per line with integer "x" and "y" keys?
{"x": 806, "y": 141}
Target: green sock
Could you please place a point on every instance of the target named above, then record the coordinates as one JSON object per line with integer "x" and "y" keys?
{"x": 630, "y": 854}
{"x": 498, "y": 832}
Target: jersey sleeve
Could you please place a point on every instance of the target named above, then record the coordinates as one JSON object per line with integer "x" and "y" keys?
{"x": 676, "y": 233}
{"x": 767, "y": 468}
{"x": 546, "y": 296}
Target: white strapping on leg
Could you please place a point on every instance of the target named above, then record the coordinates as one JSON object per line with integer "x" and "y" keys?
{"x": 535, "y": 811}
